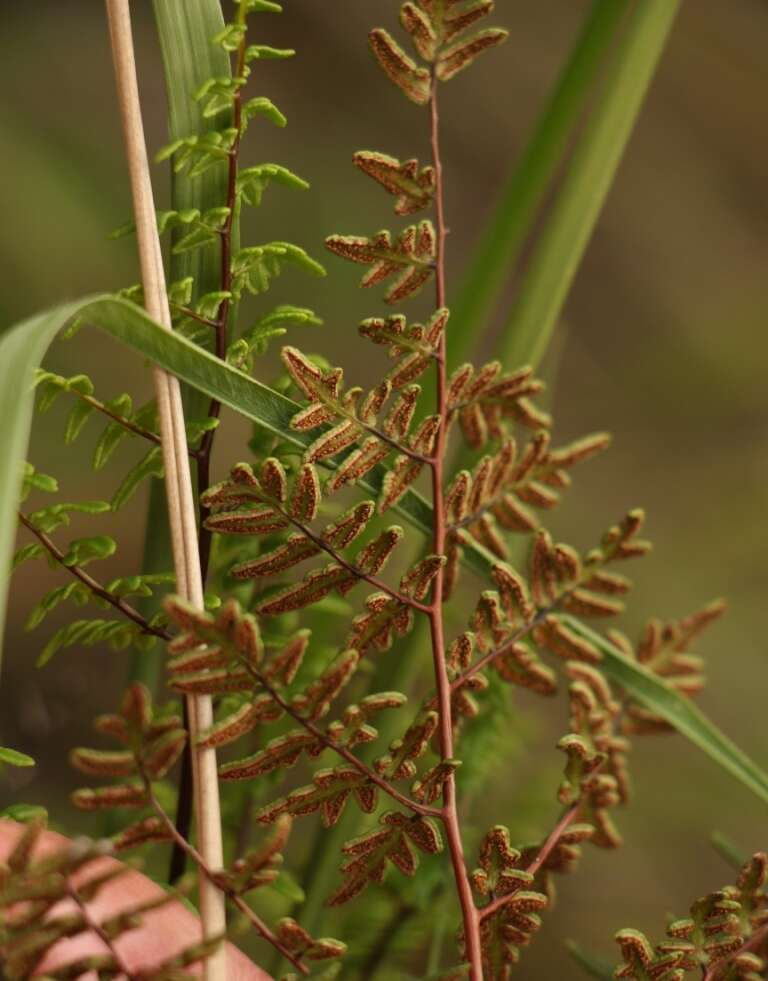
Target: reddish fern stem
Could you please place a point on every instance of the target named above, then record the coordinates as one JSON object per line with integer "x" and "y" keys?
{"x": 127, "y": 424}
{"x": 523, "y": 631}
{"x": 366, "y": 771}
{"x": 449, "y": 813}
{"x": 95, "y": 927}
{"x": 191, "y": 852}
{"x": 754, "y": 943}
{"x": 186, "y": 312}
{"x": 543, "y": 854}
{"x": 399, "y": 447}
{"x": 460, "y": 680}
{"x": 350, "y": 566}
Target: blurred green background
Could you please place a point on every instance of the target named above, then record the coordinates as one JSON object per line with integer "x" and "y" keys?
{"x": 663, "y": 344}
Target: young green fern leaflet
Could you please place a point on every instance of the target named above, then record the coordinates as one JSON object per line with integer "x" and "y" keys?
{"x": 210, "y": 317}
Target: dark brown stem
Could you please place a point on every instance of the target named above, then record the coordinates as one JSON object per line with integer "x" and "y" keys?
{"x": 129, "y": 425}
{"x": 185, "y": 311}
{"x": 399, "y": 447}
{"x": 95, "y": 587}
{"x": 184, "y": 806}
{"x": 121, "y": 420}
{"x": 543, "y": 854}
{"x": 220, "y": 324}
{"x": 449, "y": 811}
{"x": 191, "y": 852}
{"x": 204, "y": 451}
{"x": 345, "y": 754}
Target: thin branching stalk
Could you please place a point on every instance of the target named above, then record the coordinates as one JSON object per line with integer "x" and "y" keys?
{"x": 177, "y": 475}
{"x": 95, "y": 927}
{"x": 449, "y": 814}
{"x": 715, "y": 972}
{"x": 345, "y": 754}
{"x": 210, "y": 875}
{"x": 127, "y": 424}
{"x": 337, "y": 557}
{"x": 93, "y": 584}
{"x": 542, "y": 855}
{"x": 460, "y": 680}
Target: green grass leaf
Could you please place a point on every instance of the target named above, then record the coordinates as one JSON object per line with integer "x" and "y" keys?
{"x": 511, "y": 222}
{"x": 593, "y": 967}
{"x": 21, "y": 350}
{"x": 590, "y": 173}
{"x": 185, "y": 29}
{"x": 655, "y": 694}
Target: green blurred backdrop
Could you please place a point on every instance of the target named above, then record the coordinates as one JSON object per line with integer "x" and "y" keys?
{"x": 664, "y": 344}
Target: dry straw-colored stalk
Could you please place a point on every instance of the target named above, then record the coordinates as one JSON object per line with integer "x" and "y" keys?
{"x": 178, "y": 483}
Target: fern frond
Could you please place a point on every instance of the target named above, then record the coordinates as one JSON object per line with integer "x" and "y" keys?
{"x": 413, "y": 186}
{"x": 724, "y": 936}
{"x": 413, "y": 81}
{"x": 254, "y": 267}
{"x": 666, "y": 650}
{"x": 436, "y": 28}
{"x": 512, "y": 926}
{"x": 482, "y": 399}
{"x": 253, "y": 181}
{"x": 49, "y": 899}
{"x": 415, "y": 345}
{"x": 397, "y": 842}
{"x": 502, "y": 490}
{"x": 410, "y": 257}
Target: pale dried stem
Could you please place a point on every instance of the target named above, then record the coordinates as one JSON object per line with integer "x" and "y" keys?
{"x": 178, "y": 482}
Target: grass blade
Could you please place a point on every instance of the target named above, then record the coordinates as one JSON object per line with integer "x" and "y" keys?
{"x": 594, "y": 967}
{"x": 586, "y": 185}
{"x": 185, "y": 29}
{"x": 512, "y": 220}
{"x": 22, "y": 348}
{"x": 656, "y": 695}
